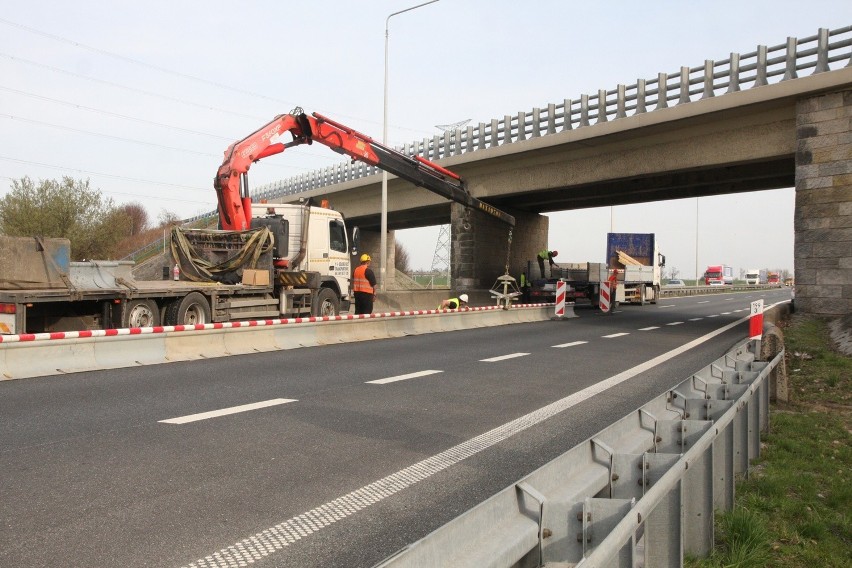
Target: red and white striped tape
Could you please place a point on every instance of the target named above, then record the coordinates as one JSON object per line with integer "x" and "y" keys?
{"x": 25, "y": 337}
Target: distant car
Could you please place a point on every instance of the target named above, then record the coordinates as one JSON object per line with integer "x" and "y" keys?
{"x": 674, "y": 283}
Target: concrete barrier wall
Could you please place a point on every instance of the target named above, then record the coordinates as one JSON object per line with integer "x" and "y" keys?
{"x": 35, "y": 355}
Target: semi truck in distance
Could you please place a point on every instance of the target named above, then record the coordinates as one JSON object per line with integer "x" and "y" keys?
{"x": 755, "y": 276}
{"x": 719, "y": 274}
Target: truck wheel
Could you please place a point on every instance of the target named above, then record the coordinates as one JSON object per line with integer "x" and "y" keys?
{"x": 192, "y": 309}
{"x": 141, "y": 313}
{"x": 326, "y": 303}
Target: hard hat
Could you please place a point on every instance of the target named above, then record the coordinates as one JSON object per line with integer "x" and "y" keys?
{"x": 463, "y": 298}
{"x": 555, "y": 252}
{"x": 365, "y": 257}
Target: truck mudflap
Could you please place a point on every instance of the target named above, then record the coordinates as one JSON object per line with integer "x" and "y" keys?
{"x": 299, "y": 279}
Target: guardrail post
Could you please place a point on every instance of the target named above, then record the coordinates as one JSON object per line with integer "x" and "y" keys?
{"x": 708, "y": 79}
{"x": 662, "y": 90}
{"x": 621, "y": 102}
{"x": 664, "y": 526}
{"x": 536, "y": 123}
{"x": 640, "y": 96}
{"x": 551, "y": 118}
{"x": 760, "y": 76}
{"x": 600, "y": 516}
{"x": 698, "y": 509}
{"x": 481, "y": 137}
{"x": 495, "y": 133}
{"x": 684, "y": 86}
{"x": 790, "y": 59}
{"x": 584, "y": 110}
{"x": 507, "y": 129}
{"x": 601, "y": 106}
{"x": 522, "y": 126}
{"x": 566, "y": 114}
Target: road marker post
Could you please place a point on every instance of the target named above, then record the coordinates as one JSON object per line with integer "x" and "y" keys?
{"x": 564, "y": 310}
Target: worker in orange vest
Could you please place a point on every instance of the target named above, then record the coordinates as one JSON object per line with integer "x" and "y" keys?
{"x": 364, "y": 286}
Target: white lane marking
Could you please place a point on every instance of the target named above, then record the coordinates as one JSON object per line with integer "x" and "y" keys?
{"x": 726, "y": 313}
{"x": 704, "y": 302}
{"x": 269, "y": 541}
{"x": 675, "y": 323}
{"x": 668, "y": 306}
{"x": 728, "y": 299}
{"x": 696, "y": 319}
{"x": 504, "y": 357}
{"x": 403, "y": 377}
{"x": 227, "y": 411}
{"x": 713, "y": 316}
{"x": 615, "y": 335}
{"x": 742, "y": 310}
{"x": 649, "y": 328}
{"x": 572, "y": 344}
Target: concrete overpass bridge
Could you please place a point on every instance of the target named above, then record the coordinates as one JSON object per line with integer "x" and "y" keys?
{"x": 778, "y": 117}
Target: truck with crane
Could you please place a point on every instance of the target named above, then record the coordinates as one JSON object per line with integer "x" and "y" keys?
{"x": 265, "y": 261}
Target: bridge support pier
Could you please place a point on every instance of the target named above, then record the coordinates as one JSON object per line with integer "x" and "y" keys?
{"x": 823, "y": 218}
{"x": 479, "y": 244}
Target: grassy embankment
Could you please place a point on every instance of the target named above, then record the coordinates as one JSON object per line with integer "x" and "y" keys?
{"x": 795, "y": 509}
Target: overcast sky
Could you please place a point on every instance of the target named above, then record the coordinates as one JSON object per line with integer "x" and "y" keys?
{"x": 142, "y": 98}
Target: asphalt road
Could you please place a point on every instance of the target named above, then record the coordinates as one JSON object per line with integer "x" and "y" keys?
{"x": 140, "y": 466}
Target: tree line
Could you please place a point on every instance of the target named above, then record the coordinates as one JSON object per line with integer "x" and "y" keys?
{"x": 72, "y": 209}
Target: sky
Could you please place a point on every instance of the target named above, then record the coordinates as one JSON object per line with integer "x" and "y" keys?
{"x": 142, "y": 98}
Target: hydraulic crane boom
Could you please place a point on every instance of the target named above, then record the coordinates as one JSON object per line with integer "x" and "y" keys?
{"x": 232, "y": 186}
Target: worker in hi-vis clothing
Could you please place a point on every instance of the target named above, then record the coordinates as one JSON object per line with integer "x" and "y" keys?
{"x": 364, "y": 286}
{"x": 454, "y": 303}
{"x": 548, "y": 256}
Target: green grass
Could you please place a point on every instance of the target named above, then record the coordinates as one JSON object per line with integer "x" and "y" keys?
{"x": 794, "y": 509}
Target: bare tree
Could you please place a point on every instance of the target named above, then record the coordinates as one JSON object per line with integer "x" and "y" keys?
{"x": 403, "y": 261}
{"x": 138, "y": 218}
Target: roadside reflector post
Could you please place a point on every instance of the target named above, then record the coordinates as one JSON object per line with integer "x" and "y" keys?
{"x": 564, "y": 309}
{"x": 755, "y": 324}
{"x": 604, "y": 298}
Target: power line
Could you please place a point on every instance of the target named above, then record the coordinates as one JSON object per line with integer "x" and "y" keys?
{"x": 101, "y": 174}
{"x": 132, "y": 141}
{"x": 172, "y": 72}
{"x": 114, "y": 114}
{"x": 126, "y": 88}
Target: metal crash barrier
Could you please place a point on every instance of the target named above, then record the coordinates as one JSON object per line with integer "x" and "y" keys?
{"x": 642, "y": 492}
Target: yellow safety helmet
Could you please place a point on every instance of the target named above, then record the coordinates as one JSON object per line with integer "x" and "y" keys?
{"x": 365, "y": 257}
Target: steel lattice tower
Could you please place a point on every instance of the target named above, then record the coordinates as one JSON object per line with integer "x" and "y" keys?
{"x": 441, "y": 260}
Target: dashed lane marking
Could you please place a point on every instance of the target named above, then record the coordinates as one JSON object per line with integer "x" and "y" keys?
{"x": 713, "y": 316}
{"x": 675, "y": 323}
{"x": 572, "y": 344}
{"x": 270, "y": 541}
{"x": 227, "y": 411}
{"x": 403, "y": 377}
{"x": 504, "y": 357}
{"x": 615, "y": 335}
{"x": 667, "y": 306}
{"x": 704, "y": 302}
{"x": 696, "y": 319}
{"x": 649, "y": 328}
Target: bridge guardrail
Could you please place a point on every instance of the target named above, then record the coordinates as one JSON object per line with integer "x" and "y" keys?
{"x": 639, "y": 493}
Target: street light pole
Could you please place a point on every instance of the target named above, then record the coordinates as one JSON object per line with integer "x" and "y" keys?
{"x": 384, "y": 228}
